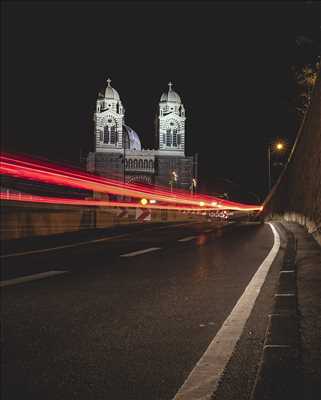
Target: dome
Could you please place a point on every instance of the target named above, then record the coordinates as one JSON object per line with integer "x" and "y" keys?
{"x": 133, "y": 142}
{"x": 170, "y": 96}
{"x": 110, "y": 92}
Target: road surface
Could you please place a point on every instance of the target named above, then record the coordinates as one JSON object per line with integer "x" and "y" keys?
{"x": 128, "y": 315}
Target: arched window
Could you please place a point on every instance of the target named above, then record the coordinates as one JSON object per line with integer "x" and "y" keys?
{"x": 106, "y": 134}
{"x": 145, "y": 164}
{"x": 140, "y": 164}
{"x": 135, "y": 164}
{"x": 113, "y": 135}
{"x": 175, "y": 137}
{"x": 168, "y": 138}
{"x": 150, "y": 164}
{"x": 179, "y": 141}
{"x": 101, "y": 136}
{"x": 130, "y": 164}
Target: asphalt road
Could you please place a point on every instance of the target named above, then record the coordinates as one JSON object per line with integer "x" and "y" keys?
{"x": 119, "y": 323}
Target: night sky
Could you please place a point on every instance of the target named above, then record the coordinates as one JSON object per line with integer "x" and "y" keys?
{"x": 230, "y": 63}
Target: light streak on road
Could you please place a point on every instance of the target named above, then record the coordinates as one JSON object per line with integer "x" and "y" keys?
{"x": 100, "y": 203}
{"x": 49, "y": 173}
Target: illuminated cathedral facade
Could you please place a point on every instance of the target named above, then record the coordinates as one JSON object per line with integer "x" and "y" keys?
{"x": 118, "y": 153}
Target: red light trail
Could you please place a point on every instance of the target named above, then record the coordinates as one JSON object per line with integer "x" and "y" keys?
{"x": 50, "y": 173}
{"x": 81, "y": 202}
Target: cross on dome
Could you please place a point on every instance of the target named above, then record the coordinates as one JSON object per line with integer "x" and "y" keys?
{"x": 170, "y": 85}
{"x": 108, "y": 81}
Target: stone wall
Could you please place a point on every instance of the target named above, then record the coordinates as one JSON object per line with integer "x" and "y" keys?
{"x": 20, "y": 220}
{"x": 296, "y": 195}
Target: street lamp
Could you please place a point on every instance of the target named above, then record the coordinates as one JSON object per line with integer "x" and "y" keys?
{"x": 275, "y": 147}
{"x": 193, "y": 186}
{"x": 279, "y": 146}
{"x": 173, "y": 179}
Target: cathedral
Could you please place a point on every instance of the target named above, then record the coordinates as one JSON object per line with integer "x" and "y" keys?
{"x": 118, "y": 153}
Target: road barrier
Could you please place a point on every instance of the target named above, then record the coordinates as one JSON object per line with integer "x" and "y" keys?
{"x": 20, "y": 220}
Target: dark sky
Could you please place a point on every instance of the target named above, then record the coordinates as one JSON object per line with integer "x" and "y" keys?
{"x": 230, "y": 63}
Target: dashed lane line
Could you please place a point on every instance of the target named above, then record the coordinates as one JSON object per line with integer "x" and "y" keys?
{"x": 39, "y": 251}
{"x": 187, "y": 239}
{"x": 29, "y": 278}
{"x": 203, "y": 381}
{"x": 284, "y": 295}
{"x": 138, "y": 252}
{"x": 66, "y": 246}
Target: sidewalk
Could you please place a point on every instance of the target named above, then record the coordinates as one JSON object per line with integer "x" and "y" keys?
{"x": 291, "y": 362}
{"x": 308, "y": 262}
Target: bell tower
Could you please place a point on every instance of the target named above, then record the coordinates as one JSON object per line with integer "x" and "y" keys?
{"x": 109, "y": 120}
{"x": 171, "y": 117}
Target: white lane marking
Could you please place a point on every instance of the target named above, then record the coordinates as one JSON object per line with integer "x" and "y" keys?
{"x": 25, "y": 253}
{"x": 175, "y": 226}
{"x": 138, "y": 252}
{"x": 187, "y": 239}
{"x": 66, "y": 246}
{"x": 208, "y": 231}
{"x": 203, "y": 381}
{"x": 268, "y": 346}
{"x": 279, "y": 315}
{"x": 284, "y": 294}
{"x": 29, "y": 278}
{"x": 287, "y": 272}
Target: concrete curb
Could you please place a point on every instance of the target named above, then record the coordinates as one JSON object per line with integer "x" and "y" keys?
{"x": 279, "y": 373}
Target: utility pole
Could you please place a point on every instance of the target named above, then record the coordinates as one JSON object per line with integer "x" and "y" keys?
{"x": 269, "y": 167}
{"x": 124, "y": 158}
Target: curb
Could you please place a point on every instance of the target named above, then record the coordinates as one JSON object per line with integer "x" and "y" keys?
{"x": 279, "y": 373}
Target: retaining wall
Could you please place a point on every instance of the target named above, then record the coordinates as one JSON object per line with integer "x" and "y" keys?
{"x": 296, "y": 195}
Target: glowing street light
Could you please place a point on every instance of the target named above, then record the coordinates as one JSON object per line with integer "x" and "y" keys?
{"x": 202, "y": 204}
{"x": 143, "y": 202}
{"x": 193, "y": 186}
{"x": 279, "y": 146}
{"x": 276, "y": 147}
{"x": 174, "y": 178}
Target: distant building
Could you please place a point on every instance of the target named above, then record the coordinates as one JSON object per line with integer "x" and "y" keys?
{"x": 115, "y": 142}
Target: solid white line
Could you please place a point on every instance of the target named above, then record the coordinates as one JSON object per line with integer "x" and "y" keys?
{"x": 287, "y": 271}
{"x": 66, "y": 246}
{"x": 187, "y": 239}
{"x": 30, "y": 278}
{"x": 136, "y": 253}
{"x": 203, "y": 381}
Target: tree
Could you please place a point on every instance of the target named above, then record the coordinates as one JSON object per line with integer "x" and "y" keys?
{"x": 306, "y": 78}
